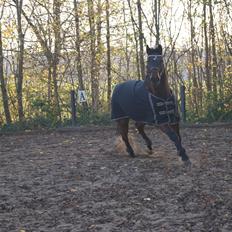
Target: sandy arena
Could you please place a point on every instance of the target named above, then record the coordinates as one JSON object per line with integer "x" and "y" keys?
{"x": 78, "y": 181}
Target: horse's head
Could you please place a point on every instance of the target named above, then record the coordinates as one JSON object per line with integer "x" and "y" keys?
{"x": 155, "y": 65}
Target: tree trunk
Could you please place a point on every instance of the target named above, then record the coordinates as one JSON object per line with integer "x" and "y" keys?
{"x": 78, "y": 47}
{"x": 175, "y": 73}
{"x": 3, "y": 84}
{"x": 99, "y": 50}
{"x": 78, "y": 51}
{"x": 207, "y": 68}
{"x": 220, "y": 74}
{"x": 109, "y": 78}
{"x": 141, "y": 53}
{"x": 94, "y": 79}
{"x": 49, "y": 81}
{"x": 127, "y": 56}
{"x": 136, "y": 40}
{"x": 157, "y": 20}
{"x": 56, "y": 55}
{"x": 200, "y": 82}
{"x": 20, "y": 60}
{"x": 214, "y": 55}
{"x": 194, "y": 78}
{"x": 49, "y": 60}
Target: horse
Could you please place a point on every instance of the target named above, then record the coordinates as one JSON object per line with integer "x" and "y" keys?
{"x": 148, "y": 101}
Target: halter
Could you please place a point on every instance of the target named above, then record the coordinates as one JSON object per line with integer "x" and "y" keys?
{"x": 155, "y": 57}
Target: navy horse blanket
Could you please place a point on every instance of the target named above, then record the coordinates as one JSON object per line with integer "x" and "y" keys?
{"x": 132, "y": 100}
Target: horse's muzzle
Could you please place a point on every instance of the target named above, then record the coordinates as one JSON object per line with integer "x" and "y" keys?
{"x": 155, "y": 76}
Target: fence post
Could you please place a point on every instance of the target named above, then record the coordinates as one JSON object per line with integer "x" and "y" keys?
{"x": 73, "y": 108}
{"x": 182, "y": 103}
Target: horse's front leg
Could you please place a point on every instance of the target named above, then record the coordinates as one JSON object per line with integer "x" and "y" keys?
{"x": 122, "y": 129}
{"x": 140, "y": 127}
{"x": 172, "y": 131}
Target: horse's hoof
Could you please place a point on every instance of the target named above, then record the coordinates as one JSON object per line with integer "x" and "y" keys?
{"x": 132, "y": 156}
{"x": 149, "y": 147}
{"x": 149, "y": 151}
{"x": 130, "y": 152}
{"x": 187, "y": 164}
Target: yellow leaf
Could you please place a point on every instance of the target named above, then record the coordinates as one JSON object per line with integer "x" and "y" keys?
{"x": 67, "y": 141}
{"x": 72, "y": 190}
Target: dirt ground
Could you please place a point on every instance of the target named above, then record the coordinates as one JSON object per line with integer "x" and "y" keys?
{"x": 77, "y": 181}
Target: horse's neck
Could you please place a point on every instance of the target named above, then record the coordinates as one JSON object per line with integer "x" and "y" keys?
{"x": 163, "y": 90}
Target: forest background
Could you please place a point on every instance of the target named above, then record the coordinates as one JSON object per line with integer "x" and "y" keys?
{"x": 50, "y": 47}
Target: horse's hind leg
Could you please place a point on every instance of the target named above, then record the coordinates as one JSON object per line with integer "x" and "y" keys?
{"x": 172, "y": 131}
{"x": 140, "y": 127}
{"x": 122, "y": 128}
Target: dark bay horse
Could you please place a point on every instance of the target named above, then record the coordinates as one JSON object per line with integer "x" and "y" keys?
{"x": 148, "y": 102}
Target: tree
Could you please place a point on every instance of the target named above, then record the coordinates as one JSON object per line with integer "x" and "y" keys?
{"x": 78, "y": 45}
{"x": 20, "y": 59}
{"x": 213, "y": 45}
{"x": 137, "y": 52}
{"x": 206, "y": 43}
{"x": 141, "y": 37}
{"x": 56, "y": 55}
{"x": 108, "y": 51}
{"x": 51, "y": 42}
{"x": 157, "y": 10}
{"x": 94, "y": 78}
{"x": 2, "y": 80}
{"x": 193, "y": 55}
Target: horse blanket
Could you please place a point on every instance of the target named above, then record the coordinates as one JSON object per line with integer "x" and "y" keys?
{"x": 132, "y": 100}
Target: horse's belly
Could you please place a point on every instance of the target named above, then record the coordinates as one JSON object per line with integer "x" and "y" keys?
{"x": 130, "y": 100}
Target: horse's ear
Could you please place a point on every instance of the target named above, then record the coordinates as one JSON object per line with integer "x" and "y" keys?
{"x": 148, "y": 49}
{"x": 160, "y": 49}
